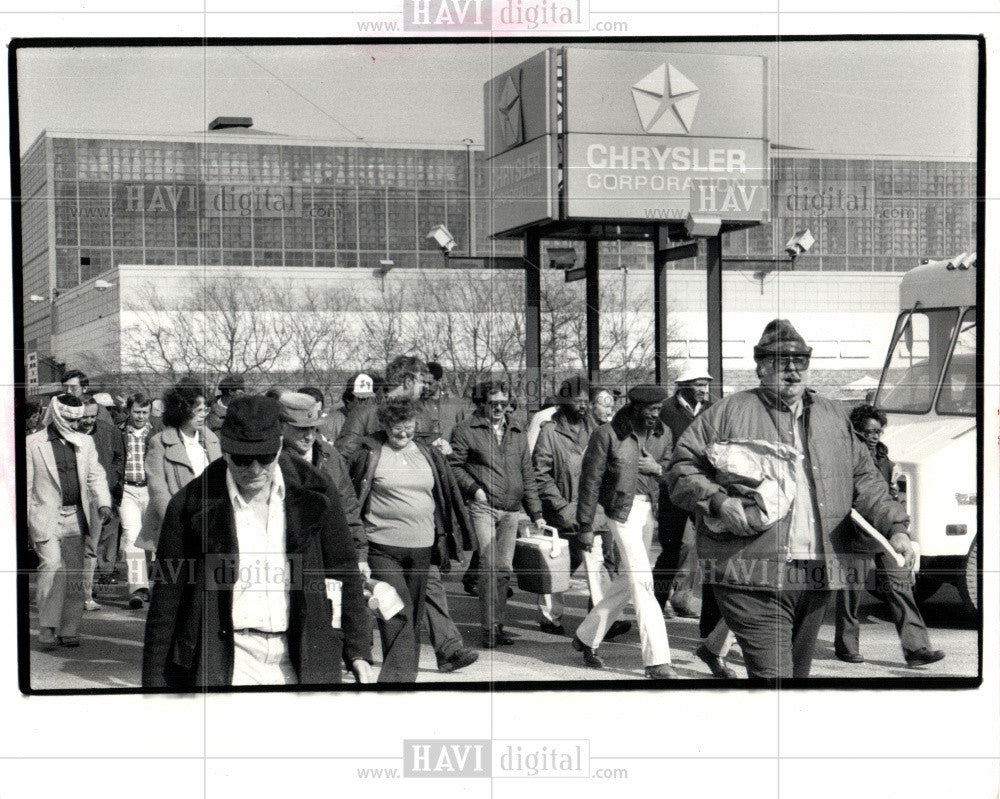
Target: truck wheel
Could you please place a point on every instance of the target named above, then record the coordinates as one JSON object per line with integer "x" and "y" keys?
{"x": 968, "y": 582}
{"x": 925, "y": 588}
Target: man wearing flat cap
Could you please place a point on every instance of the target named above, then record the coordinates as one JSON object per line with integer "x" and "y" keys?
{"x": 257, "y": 581}
{"x": 300, "y": 418}
{"x": 772, "y": 577}
{"x": 623, "y": 467}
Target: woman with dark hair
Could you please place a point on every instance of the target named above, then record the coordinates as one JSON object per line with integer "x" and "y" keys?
{"x": 174, "y": 456}
{"x": 410, "y": 505}
{"x": 894, "y": 583}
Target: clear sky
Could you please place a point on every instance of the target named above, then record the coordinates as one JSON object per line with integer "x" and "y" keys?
{"x": 867, "y": 97}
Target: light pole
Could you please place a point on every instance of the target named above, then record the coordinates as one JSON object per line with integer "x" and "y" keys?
{"x": 469, "y": 184}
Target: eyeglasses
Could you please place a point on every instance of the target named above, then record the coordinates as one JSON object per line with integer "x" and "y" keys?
{"x": 783, "y": 362}
{"x": 244, "y": 461}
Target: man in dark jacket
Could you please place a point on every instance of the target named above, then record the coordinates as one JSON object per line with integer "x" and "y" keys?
{"x": 558, "y": 458}
{"x": 256, "y": 577}
{"x": 672, "y": 572}
{"x": 230, "y": 387}
{"x": 101, "y": 550}
{"x": 623, "y": 467}
{"x": 493, "y": 468}
{"x": 300, "y": 417}
{"x": 773, "y": 584}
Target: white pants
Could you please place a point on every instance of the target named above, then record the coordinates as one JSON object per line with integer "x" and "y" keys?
{"x": 551, "y": 606}
{"x": 59, "y": 589}
{"x": 635, "y": 582}
{"x": 135, "y": 500}
{"x": 261, "y": 659}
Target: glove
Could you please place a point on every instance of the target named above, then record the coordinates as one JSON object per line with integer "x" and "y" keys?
{"x": 585, "y": 539}
{"x": 568, "y": 526}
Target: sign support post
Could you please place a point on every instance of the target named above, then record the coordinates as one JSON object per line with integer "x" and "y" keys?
{"x": 714, "y": 306}
{"x": 533, "y": 319}
{"x": 593, "y": 265}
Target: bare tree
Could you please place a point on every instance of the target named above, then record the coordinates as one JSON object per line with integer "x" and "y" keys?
{"x": 222, "y": 325}
{"x": 323, "y": 338}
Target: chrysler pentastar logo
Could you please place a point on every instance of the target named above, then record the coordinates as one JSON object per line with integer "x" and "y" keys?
{"x": 666, "y": 100}
{"x": 509, "y": 109}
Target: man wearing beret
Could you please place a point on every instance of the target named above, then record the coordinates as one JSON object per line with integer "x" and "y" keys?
{"x": 773, "y": 584}
{"x": 623, "y": 468}
{"x": 257, "y": 580}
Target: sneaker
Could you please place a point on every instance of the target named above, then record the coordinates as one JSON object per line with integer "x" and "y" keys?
{"x": 458, "y": 660}
{"x": 90, "y": 604}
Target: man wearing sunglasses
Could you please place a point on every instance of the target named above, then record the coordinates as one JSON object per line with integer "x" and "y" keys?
{"x": 773, "y": 584}
{"x": 257, "y": 580}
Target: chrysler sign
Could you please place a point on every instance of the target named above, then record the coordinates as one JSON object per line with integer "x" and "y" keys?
{"x": 635, "y": 177}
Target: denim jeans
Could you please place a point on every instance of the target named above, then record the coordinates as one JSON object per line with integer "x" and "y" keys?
{"x": 496, "y": 534}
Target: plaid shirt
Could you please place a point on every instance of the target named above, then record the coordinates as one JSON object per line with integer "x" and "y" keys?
{"x": 135, "y": 453}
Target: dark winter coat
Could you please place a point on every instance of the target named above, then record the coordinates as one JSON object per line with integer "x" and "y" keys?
{"x": 189, "y": 629}
{"x": 610, "y": 472}
{"x": 503, "y": 470}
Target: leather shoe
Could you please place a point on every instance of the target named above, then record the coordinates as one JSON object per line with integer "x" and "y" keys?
{"x": 497, "y": 638}
{"x": 850, "y": 657}
{"x": 664, "y": 671}
{"x": 668, "y": 612}
{"x": 458, "y": 660}
{"x": 620, "y": 627}
{"x": 69, "y": 640}
{"x": 685, "y": 612}
{"x": 924, "y": 657}
{"x": 47, "y": 635}
{"x": 551, "y": 627}
{"x": 471, "y": 589}
{"x": 715, "y": 664}
{"x": 590, "y": 657}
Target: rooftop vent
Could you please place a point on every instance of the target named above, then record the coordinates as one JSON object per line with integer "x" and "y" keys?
{"x": 223, "y": 123}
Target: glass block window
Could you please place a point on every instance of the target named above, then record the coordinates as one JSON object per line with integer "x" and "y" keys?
{"x": 67, "y": 267}
{"x": 323, "y": 211}
{"x": 430, "y": 212}
{"x": 371, "y": 219}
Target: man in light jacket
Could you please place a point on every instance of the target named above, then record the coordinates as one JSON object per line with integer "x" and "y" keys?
{"x": 66, "y": 483}
{"x": 773, "y": 586}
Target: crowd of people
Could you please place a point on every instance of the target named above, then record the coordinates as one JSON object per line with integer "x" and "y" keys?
{"x": 270, "y": 537}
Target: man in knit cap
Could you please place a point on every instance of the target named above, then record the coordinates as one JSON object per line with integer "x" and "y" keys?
{"x": 773, "y": 580}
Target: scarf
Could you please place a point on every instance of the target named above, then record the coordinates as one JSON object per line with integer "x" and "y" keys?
{"x": 61, "y": 415}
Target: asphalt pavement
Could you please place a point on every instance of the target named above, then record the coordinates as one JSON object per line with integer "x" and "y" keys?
{"x": 110, "y": 654}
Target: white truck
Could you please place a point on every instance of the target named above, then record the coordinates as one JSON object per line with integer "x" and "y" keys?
{"x": 929, "y": 392}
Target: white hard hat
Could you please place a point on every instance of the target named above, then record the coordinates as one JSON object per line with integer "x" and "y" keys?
{"x": 692, "y": 371}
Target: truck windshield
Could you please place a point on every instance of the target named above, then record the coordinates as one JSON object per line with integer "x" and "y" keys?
{"x": 958, "y": 390}
{"x": 919, "y": 353}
